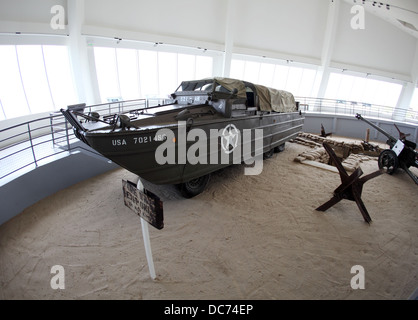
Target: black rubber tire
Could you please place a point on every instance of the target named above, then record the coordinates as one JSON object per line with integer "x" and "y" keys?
{"x": 268, "y": 154}
{"x": 194, "y": 187}
{"x": 279, "y": 148}
{"x": 388, "y": 160}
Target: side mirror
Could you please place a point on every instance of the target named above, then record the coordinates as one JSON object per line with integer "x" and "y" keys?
{"x": 235, "y": 91}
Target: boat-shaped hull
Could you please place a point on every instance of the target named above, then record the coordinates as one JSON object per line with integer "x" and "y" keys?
{"x": 208, "y": 125}
{"x": 135, "y": 150}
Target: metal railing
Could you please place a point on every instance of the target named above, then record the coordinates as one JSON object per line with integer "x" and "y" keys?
{"x": 30, "y": 144}
{"x": 27, "y": 145}
{"x": 343, "y": 107}
{"x": 59, "y": 126}
{"x": 33, "y": 143}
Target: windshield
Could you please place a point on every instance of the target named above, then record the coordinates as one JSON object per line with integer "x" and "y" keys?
{"x": 204, "y": 85}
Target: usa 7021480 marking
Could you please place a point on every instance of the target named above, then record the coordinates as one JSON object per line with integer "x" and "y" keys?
{"x": 146, "y": 139}
{"x": 139, "y": 140}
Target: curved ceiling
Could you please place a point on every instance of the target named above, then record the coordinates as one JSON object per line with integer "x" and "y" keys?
{"x": 306, "y": 31}
{"x": 401, "y": 13}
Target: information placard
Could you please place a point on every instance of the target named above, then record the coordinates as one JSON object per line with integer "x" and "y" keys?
{"x": 144, "y": 203}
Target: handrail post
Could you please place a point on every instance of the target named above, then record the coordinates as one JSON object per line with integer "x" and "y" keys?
{"x": 31, "y": 145}
{"x": 66, "y": 135}
{"x": 52, "y": 129}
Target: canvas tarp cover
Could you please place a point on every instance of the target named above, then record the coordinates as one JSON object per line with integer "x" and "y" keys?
{"x": 275, "y": 100}
{"x": 232, "y": 84}
{"x": 263, "y": 97}
{"x": 282, "y": 101}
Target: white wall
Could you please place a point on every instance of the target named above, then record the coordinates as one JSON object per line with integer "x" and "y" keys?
{"x": 275, "y": 28}
{"x": 159, "y": 20}
{"x": 28, "y": 16}
{"x": 292, "y": 28}
{"x": 379, "y": 48}
{"x": 279, "y": 29}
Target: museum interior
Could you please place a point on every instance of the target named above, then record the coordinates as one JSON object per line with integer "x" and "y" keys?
{"x": 330, "y": 212}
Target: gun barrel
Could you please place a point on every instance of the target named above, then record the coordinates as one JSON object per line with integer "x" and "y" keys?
{"x": 391, "y": 138}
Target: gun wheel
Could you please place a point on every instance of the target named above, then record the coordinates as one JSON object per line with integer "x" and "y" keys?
{"x": 388, "y": 160}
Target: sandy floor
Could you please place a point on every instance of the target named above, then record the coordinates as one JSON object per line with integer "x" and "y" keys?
{"x": 245, "y": 237}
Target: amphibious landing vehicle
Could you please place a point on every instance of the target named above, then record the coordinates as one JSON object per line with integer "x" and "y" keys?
{"x": 206, "y": 125}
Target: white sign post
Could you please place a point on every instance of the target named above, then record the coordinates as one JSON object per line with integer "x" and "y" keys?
{"x": 150, "y": 210}
{"x": 147, "y": 243}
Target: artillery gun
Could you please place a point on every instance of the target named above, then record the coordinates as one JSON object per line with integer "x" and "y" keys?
{"x": 402, "y": 153}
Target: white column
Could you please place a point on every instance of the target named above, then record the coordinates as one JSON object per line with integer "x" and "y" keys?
{"x": 323, "y": 76}
{"x": 408, "y": 89}
{"x": 79, "y": 54}
{"x": 229, "y": 37}
{"x": 328, "y": 46}
{"x": 404, "y": 101}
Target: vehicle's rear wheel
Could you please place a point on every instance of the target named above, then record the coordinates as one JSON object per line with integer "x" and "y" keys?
{"x": 279, "y": 148}
{"x": 268, "y": 154}
{"x": 193, "y": 187}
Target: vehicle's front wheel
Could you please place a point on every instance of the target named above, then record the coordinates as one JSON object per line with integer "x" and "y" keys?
{"x": 194, "y": 187}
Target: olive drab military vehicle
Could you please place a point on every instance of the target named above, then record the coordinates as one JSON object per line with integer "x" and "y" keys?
{"x": 206, "y": 125}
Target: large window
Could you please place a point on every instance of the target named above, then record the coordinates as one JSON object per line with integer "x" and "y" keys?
{"x": 34, "y": 79}
{"x": 132, "y": 74}
{"x": 297, "y": 80}
{"x": 412, "y": 113}
{"x": 127, "y": 60}
{"x": 167, "y": 73}
{"x": 107, "y": 73}
{"x": 414, "y": 101}
{"x": 366, "y": 90}
{"x": 12, "y": 96}
{"x": 58, "y": 70}
{"x": 148, "y": 75}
